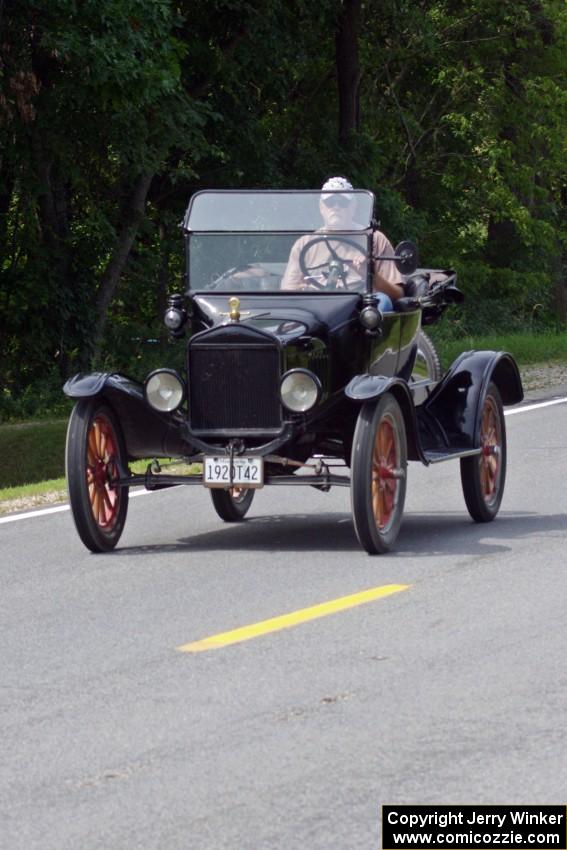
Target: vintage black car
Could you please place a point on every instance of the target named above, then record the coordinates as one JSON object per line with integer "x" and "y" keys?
{"x": 311, "y": 386}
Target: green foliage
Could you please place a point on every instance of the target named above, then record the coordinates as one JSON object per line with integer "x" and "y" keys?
{"x": 32, "y": 452}
{"x": 41, "y": 399}
{"x": 91, "y": 98}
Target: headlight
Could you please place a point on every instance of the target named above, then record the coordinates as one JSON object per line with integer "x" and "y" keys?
{"x": 176, "y": 314}
{"x": 164, "y": 390}
{"x": 173, "y": 318}
{"x": 300, "y": 390}
{"x": 370, "y": 318}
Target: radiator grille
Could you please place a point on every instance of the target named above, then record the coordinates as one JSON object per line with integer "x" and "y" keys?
{"x": 234, "y": 387}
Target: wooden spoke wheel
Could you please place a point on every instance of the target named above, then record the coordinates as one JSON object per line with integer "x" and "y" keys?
{"x": 483, "y": 476}
{"x": 378, "y": 474}
{"x": 95, "y": 454}
{"x": 232, "y": 505}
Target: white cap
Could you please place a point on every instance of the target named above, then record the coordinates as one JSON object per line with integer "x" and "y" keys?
{"x": 337, "y": 184}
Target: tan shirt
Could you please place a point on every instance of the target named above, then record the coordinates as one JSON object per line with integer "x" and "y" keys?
{"x": 317, "y": 257}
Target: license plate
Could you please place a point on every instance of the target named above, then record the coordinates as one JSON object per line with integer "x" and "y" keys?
{"x": 246, "y": 472}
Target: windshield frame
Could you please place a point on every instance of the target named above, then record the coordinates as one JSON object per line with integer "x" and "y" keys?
{"x": 315, "y": 194}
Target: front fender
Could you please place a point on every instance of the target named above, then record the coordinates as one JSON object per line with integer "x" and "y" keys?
{"x": 450, "y": 418}
{"x": 147, "y": 433}
{"x": 368, "y": 388}
{"x": 86, "y": 385}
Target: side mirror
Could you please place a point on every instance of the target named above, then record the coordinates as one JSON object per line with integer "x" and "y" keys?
{"x": 406, "y": 257}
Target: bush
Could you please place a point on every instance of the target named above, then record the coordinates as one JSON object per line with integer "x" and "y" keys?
{"x": 32, "y": 451}
{"x": 43, "y": 399}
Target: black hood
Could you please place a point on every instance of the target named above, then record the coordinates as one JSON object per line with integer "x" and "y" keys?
{"x": 284, "y": 314}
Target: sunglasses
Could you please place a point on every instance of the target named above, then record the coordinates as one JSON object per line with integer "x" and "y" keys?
{"x": 337, "y": 201}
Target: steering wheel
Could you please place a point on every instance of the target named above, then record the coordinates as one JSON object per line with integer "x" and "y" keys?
{"x": 306, "y": 270}
{"x": 239, "y": 277}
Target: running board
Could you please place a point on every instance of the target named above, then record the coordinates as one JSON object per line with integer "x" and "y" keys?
{"x": 440, "y": 456}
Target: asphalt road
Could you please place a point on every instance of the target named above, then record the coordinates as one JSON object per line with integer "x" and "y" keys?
{"x": 453, "y": 690}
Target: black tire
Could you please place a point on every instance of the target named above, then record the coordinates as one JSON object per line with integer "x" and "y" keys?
{"x": 427, "y": 362}
{"x": 94, "y": 454}
{"x": 379, "y": 474}
{"x": 232, "y": 505}
{"x": 483, "y": 477}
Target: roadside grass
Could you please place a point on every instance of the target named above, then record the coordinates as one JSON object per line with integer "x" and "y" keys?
{"x": 40, "y": 494}
{"x": 39, "y": 489}
{"x": 528, "y": 349}
{"x": 54, "y": 490}
{"x": 32, "y": 452}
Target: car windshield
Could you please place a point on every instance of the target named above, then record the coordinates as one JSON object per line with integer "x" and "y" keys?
{"x": 275, "y": 240}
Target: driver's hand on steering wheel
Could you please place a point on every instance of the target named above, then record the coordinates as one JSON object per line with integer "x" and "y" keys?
{"x": 312, "y": 282}
{"x": 359, "y": 265}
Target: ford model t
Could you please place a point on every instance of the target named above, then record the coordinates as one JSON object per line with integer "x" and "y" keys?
{"x": 312, "y": 386}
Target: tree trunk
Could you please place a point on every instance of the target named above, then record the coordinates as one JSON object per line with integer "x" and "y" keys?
{"x": 503, "y": 244}
{"x": 560, "y": 266}
{"x": 5, "y": 202}
{"x": 348, "y": 69}
{"x": 132, "y": 218}
{"x": 54, "y": 227}
{"x": 560, "y": 284}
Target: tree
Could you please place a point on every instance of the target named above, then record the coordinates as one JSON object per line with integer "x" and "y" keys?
{"x": 93, "y": 104}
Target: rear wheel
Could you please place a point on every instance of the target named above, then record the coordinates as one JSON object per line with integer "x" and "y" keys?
{"x": 94, "y": 456}
{"x": 427, "y": 363}
{"x": 378, "y": 474}
{"x": 232, "y": 505}
{"x": 483, "y": 476}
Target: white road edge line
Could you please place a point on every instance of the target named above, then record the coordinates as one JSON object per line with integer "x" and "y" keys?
{"x": 59, "y": 508}
{"x": 535, "y": 406}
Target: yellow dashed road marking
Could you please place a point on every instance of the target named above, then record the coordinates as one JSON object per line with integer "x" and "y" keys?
{"x": 287, "y": 621}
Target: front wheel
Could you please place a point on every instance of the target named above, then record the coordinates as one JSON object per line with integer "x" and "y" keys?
{"x": 94, "y": 457}
{"x": 483, "y": 476}
{"x": 378, "y": 474}
{"x": 232, "y": 505}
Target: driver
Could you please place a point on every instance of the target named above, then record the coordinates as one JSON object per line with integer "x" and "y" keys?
{"x": 343, "y": 265}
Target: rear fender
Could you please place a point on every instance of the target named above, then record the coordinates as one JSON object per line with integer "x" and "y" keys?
{"x": 147, "y": 432}
{"x": 450, "y": 418}
{"x": 369, "y": 388}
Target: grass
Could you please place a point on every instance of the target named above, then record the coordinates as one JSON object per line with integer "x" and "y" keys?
{"x": 55, "y": 489}
{"x": 40, "y": 488}
{"x": 32, "y": 452}
{"x": 32, "y": 495}
{"x": 528, "y": 349}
